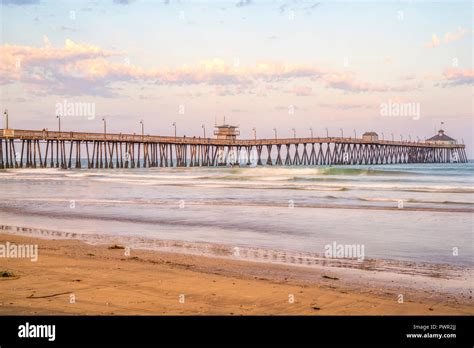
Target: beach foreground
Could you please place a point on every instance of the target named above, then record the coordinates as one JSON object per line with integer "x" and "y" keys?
{"x": 72, "y": 277}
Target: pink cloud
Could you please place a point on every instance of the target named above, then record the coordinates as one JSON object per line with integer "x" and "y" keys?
{"x": 346, "y": 81}
{"x": 78, "y": 69}
{"x": 458, "y": 77}
{"x": 15, "y": 61}
{"x": 457, "y": 35}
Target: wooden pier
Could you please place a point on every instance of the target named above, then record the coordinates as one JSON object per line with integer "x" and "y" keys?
{"x": 42, "y": 149}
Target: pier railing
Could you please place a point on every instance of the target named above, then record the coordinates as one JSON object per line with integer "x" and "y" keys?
{"x": 83, "y": 136}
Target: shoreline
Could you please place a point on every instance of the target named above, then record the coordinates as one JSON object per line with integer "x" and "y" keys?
{"x": 246, "y": 253}
{"x": 106, "y": 282}
{"x": 285, "y": 205}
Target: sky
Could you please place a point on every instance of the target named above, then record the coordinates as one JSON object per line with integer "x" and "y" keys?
{"x": 266, "y": 65}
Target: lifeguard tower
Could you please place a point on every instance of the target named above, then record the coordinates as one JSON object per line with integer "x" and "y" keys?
{"x": 226, "y": 131}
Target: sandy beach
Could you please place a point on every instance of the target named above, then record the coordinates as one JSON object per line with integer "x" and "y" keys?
{"x": 103, "y": 281}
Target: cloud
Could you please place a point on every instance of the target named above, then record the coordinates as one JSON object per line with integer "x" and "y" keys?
{"x": 232, "y": 90}
{"x": 457, "y": 77}
{"x": 346, "y": 105}
{"x": 457, "y": 35}
{"x": 310, "y": 8}
{"x": 274, "y": 71}
{"x": 45, "y": 66}
{"x": 76, "y": 64}
{"x": 298, "y": 6}
{"x": 65, "y": 28}
{"x": 301, "y": 91}
{"x": 434, "y": 42}
{"x": 346, "y": 81}
{"x": 13, "y": 57}
{"x": 71, "y": 69}
{"x": 123, "y": 2}
{"x": 243, "y": 3}
{"x": 19, "y": 2}
{"x": 213, "y": 72}
{"x": 282, "y": 8}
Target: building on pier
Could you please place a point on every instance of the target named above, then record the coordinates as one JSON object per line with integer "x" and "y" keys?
{"x": 227, "y": 132}
{"x": 441, "y": 139}
{"x": 370, "y": 136}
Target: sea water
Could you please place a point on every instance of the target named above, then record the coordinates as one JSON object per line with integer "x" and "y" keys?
{"x": 412, "y": 212}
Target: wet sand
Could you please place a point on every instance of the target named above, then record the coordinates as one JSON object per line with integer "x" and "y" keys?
{"x": 104, "y": 281}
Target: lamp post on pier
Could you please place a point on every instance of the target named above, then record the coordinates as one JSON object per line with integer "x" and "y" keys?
{"x": 59, "y": 122}
{"x": 105, "y": 126}
{"x": 6, "y": 118}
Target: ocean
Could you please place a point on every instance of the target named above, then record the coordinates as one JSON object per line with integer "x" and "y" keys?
{"x": 414, "y": 212}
